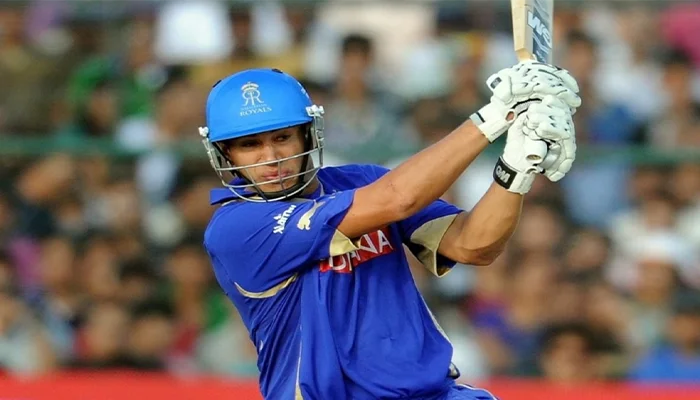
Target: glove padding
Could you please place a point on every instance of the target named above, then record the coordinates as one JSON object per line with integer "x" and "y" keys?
{"x": 551, "y": 122}
{"x": 516, "y": 88}
{"x": 514, "y": 170}
{"x": 569, "y": 96}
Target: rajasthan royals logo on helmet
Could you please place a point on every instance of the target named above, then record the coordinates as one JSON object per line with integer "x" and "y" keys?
{"x": 251, "y": 94}
{"x": 253, "y": 103}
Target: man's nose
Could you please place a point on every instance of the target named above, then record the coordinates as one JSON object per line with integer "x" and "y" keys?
{"x": 270, "y": 153}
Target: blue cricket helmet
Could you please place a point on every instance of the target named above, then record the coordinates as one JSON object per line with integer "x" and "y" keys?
{"x": 256, "y": 101}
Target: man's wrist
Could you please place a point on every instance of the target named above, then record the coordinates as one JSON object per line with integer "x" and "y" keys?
{"x": 491, "y": 121}
{"x": 473, "y": 135}
{"x": 512, "y": 180}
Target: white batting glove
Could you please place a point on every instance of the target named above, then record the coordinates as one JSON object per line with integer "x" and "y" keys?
{"x": 560, "y": 158}
{"x": 550, "y": 122}
{"x": 514, "y": 170}
{"x": 516, "y": 88}
{"x": 567, "y": 79}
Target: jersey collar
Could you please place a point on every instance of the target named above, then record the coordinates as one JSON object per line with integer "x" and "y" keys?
{"x": 223, "y": 195}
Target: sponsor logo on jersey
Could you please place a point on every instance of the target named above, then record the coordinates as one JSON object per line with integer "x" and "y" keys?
{"x": 370, "y": 246}
{"x": 282, "y": 219}
{"x": 304, "y": 223}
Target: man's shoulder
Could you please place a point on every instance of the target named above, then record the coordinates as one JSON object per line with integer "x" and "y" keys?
{"x": 354, "y": 169}
{"x": 356, "y": 173}
{"x": 240, "y": 219}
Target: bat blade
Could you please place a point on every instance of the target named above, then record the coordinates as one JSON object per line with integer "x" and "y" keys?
{"x": 532, "y": 29}
{"x": 533, "y": 21}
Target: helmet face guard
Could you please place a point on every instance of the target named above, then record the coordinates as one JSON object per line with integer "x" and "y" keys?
{"x": 258, "y": 101}
{"x": 248, "y": 189}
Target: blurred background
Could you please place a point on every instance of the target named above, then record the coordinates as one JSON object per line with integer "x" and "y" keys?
{"x": 104, "y": 184}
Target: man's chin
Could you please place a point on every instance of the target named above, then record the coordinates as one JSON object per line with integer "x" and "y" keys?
{"x": 277, "y": 187}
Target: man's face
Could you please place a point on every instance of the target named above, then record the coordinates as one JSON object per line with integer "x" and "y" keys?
{"x": 267, "y": 147}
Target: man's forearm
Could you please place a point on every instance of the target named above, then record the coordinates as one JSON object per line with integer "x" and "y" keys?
{"x": 413, "y": 185}
{"x": 428, "y": 174}
{"x": 491, "y": 223}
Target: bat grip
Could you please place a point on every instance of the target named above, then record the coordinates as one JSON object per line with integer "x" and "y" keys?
{"x": 536, "y": 150}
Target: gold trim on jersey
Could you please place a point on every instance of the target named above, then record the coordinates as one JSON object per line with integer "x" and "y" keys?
{"x": 429, "y": 235}
{"x": 341, "y": 244}
{"x": 452, "y": 372}
{"x": 435, "y": 321}
{"x": 269, "y": 292}
{"x": 297, "y": 387}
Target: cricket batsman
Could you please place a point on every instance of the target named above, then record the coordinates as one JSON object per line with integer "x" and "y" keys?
{"x": 312, "y": 257}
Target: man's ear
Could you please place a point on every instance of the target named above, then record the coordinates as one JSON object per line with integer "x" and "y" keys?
{"x": 225, "y": 145}
{"x": 223, "y": 148}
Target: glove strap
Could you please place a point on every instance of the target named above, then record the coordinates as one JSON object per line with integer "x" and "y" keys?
{"x": 512, "y": 180}
{"x": 491, "y": 121}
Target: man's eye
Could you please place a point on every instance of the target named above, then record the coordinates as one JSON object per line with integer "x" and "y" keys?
{"x": 284, "y": 137}
{"x": 247, "y": 144}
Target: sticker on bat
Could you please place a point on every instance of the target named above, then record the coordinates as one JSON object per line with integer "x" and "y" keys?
{"x": 542, "y": 37}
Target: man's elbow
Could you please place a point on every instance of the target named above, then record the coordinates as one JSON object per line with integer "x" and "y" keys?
{"x": 482, "y": 256}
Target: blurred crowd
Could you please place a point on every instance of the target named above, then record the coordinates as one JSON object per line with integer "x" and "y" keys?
{"x": 101, "y": 263}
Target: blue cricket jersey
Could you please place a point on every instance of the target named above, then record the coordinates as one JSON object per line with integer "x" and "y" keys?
{"x": 333, "y": 318}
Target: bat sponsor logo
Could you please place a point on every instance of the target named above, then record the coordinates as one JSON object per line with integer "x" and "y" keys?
{"x": 540, "y": 28}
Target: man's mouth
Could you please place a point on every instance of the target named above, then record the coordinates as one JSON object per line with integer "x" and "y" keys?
{"x": 274, "y": 176}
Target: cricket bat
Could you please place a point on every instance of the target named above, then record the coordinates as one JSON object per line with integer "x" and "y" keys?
{"x": 532, "y": 39}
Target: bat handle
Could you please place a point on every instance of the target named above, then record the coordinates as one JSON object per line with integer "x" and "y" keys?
{"x": 536, "y": 150}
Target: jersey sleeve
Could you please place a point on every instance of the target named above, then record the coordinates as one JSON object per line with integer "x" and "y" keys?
{"x": 423, "y": 232}
{"x": 259, "y": 248}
